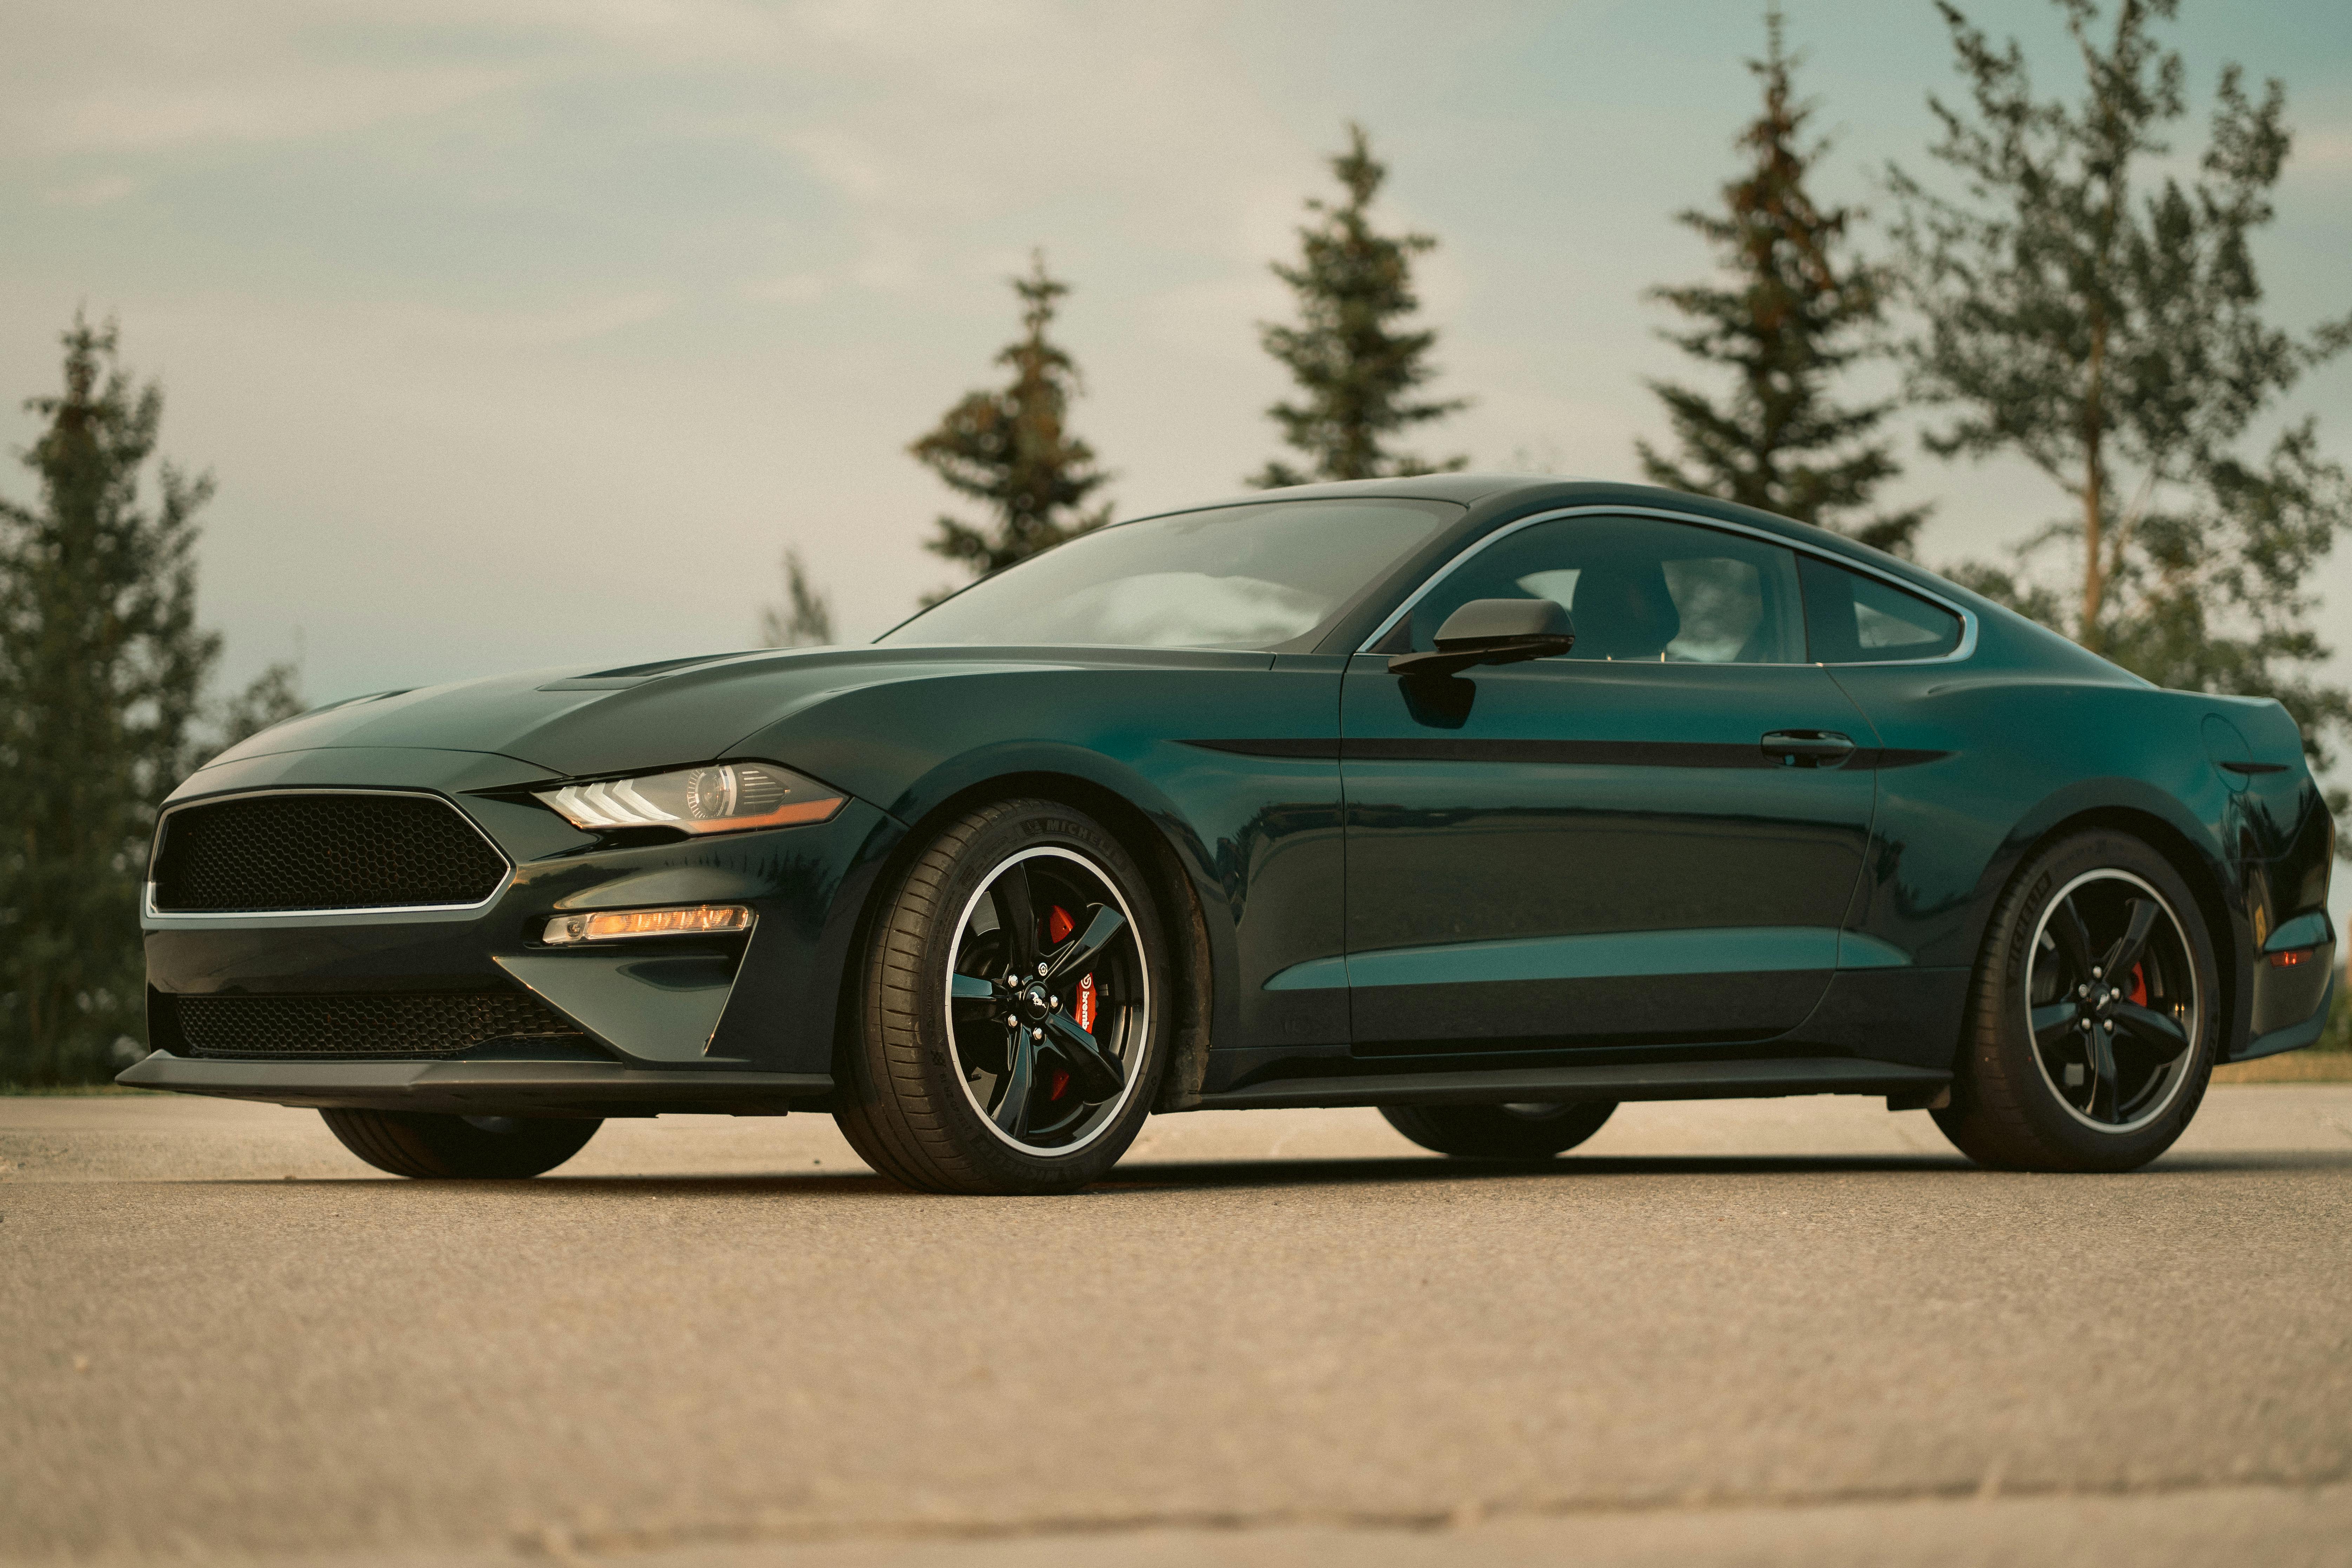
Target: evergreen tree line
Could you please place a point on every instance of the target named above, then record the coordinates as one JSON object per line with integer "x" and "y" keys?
{"x": 2089, "y": 304}
{"x": 103, "y": 668}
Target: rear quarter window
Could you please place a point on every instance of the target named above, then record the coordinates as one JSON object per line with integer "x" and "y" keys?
{"x": 1851, "y": 619}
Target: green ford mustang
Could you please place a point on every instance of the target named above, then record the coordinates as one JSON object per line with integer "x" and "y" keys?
{"x": 1492, "y": 802}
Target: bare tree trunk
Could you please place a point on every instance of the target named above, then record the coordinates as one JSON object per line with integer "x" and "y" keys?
{"x": 2095, "y": 487}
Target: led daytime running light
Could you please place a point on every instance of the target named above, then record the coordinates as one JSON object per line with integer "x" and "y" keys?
{"x": 625, "y": 925}
{"x": 720, "y": 798}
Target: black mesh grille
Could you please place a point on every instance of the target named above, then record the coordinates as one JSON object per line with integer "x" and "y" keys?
{"x": 393, "y": 1025}
{"x": 322, "y": 852}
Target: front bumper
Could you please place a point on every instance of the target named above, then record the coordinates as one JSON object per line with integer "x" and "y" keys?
{"x": 754, "y": 1014}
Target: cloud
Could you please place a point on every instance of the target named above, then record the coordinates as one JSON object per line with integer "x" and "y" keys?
{"x": 111, "y": 77}
{"x": 1216, "y": 320}
{"x": 594, "y": 319}
{"x": 1148, "y": 116}
{"x": 2325, "y": 149}
{"x": 553, "y": 326}
{"x": 106, "y": 117}
{"x": 91, "y": 193}
{"x": 792, "y": 288}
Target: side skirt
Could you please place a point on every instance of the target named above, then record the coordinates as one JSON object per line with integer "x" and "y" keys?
{"x": 1615, "y": 1081}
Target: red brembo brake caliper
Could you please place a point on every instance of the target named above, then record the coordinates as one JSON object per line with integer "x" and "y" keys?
{"x": 1058, "y": 927}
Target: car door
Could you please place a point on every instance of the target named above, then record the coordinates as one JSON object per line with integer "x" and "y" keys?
{"x": 1650, "y": 840}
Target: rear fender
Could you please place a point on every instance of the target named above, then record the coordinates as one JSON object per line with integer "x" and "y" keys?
{"x": 2218, "y": 879}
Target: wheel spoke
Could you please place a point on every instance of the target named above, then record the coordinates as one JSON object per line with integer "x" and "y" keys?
{"x": 2074, "y": 938}
{"x": 2053, "y": 1022}
{"x": 1098, "y": 1075}
{"x": 2103, "y": 1075}
{"x": 2163, "y": 1038}
{"x": 1011, "y": 1112}
{"x": 2127, "y": 951}
{"x": 1078, "y": 954}
{"x": 1017, "y": 912}
{"x": 970, "y": 996}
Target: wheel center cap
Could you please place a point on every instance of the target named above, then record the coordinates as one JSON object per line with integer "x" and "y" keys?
{"x": 1034, "y": 999}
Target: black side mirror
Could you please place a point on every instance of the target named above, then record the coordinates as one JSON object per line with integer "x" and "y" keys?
{"x": 1493, "y": 631}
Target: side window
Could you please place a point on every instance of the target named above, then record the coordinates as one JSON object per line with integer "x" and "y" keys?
{"x": 1853, "y": 619}
{"x": 1639, "y": 588}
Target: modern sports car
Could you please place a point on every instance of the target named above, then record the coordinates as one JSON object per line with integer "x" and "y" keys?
{"x": 1488, "y": 802}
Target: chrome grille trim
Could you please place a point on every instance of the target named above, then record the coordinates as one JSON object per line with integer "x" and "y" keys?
{"x": 147, "y": 899}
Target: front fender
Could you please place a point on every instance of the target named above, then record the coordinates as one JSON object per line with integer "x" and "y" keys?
{"x": 1259, "y": 835}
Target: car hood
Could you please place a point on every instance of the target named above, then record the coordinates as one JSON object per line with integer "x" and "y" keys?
{"x": 573, "y": 722}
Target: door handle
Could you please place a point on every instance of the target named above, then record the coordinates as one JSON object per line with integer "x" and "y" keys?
{"x": 1808, "y": 748}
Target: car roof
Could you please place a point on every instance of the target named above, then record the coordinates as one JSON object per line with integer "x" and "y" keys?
{"x": 1492, "y": 498}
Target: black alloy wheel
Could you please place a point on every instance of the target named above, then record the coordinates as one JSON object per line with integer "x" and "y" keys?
{"x": 1010, "y": 1041}
{"x": 1045, "y": 994}
{"x": 2091, "y": 1036}
{"x": 426, "y": 1144}
{"x": 1529, "y": 1131}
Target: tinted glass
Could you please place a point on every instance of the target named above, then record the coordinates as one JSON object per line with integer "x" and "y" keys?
{"x": 1237, "y": 576}
{"x": 1638, "y": 588}
{"x": 1851, "y": 619}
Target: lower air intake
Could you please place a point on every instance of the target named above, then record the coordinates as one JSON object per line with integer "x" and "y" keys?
{"x": 407, "y": 1025}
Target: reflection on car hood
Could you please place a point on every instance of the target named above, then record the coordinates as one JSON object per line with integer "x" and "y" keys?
{"x": 577, "y": 722}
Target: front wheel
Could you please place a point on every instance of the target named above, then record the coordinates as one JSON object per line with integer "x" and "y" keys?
{"x": 1527, "y": 1131}
{"x": 1009, "y": 1032}
{"x": 2091, "y": 1030}
{"x": 421, "y": 1143}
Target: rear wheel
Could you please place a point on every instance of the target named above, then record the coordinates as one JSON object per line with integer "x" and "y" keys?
{"x": 420, "y": 1144}
{"x": 1008, "y": 1038}
{"x": 1517, "y": 1132}
{"x": 2090, "y": 1034}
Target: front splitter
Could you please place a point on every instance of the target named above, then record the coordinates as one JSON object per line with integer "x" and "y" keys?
{"x": 485, "y": 1088}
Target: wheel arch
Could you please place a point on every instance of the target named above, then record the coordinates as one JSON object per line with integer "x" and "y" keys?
{"x": 1158, "y": 850}
{"x": 2196, "y": 861}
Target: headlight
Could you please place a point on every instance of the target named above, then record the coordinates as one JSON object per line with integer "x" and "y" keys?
{"x": 725, "y": 797}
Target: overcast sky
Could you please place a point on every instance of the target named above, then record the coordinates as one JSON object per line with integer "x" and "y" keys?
{"x": 532, "y": 333}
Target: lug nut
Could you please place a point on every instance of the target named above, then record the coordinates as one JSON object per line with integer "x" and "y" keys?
{"x": 1036, "y": 1034}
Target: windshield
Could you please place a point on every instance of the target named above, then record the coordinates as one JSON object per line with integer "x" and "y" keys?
{"x": 1235, "y": 576}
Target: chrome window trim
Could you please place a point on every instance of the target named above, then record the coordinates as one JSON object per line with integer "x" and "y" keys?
{"x": 147, "y": 900}
{"x": 1968, "y": 644}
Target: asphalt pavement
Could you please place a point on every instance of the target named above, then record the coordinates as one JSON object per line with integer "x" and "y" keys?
{"x": 1800, "y": 1331}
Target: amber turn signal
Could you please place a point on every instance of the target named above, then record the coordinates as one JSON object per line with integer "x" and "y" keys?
{"x": 624, "y": 925}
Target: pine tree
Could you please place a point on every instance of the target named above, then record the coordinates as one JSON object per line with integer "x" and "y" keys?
{"x": 1797, "y": 311}
{"x": 1357, "y": 373}
{"x": 101, "y": 664}
{"x": 1012, "y": 450}
{"x": 273, "y": 697}
{"x": 806, "y": 617}
{"x": 2093, "y": 308}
